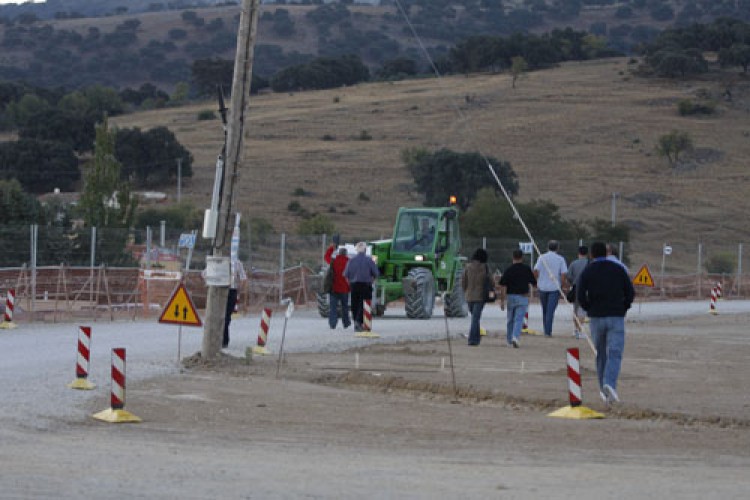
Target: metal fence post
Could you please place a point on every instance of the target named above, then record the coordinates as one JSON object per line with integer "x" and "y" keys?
{"x": 739, "y": 268}
{"x": 92, "y": 263}
{"x": 34, "y": 248}
{"x": 699, "y": 277}
{"x": 281, "y": 267}
{"x": 162, "y": 235}
{"x": 484, "y": 243}
{"x": 148, "y": 247}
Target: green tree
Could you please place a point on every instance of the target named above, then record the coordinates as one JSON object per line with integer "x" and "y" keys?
{"x": 106, "y": 201}
{"x": 673, "y": 144}
{"x": 317, "y": 224}
{"x": 150, "y": 158}
{"x": 517, "y": 68}
{"x": 444, "y": 173}
{"x": 40, "y": 166}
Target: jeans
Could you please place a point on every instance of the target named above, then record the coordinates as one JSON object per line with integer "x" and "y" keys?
{"x": 231, "y": 301}
{"x": 333, "y": 309}
{"x": 608, "y": 335}
{"x": 517, "y": 307}
{"x": 549, "y": 302}
{"x": 475, "y": 308}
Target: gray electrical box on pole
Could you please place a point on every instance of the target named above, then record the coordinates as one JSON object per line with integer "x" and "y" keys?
{"x": 218, "y": 223}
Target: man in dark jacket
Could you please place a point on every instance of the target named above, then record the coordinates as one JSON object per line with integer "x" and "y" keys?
{"x": 361, "y": 271}
{"x": 605, "y": 292}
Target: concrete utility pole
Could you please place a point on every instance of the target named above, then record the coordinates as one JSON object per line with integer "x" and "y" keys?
{"x": 243, "y": 68}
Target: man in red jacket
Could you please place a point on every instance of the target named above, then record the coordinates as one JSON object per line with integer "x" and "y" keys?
{"x": 340, "y": 290}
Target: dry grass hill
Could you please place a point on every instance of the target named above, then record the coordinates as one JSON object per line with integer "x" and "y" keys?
{"x": 574, "y": 135}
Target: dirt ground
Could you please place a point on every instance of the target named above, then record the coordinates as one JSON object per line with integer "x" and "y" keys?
{"x": 395, "y": 428}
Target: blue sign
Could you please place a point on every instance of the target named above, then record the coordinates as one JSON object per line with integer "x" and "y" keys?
{"x": 187, "y": 240}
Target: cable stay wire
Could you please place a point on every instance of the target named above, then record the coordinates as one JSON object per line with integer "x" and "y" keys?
{"x": 472, "y": 134}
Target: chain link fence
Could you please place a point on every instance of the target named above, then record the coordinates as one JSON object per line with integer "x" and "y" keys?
{"x": 91, "y": 273}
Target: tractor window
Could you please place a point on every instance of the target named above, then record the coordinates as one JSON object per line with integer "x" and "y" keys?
{"x": 415, "y": 232}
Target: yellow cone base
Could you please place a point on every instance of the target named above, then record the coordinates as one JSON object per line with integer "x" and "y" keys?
{"x": 8, "y": 325}
{"x": 713, "y": 311}
{"x": 116, "y": 416}
{"x": 576, "y": 413}
{"x": 81, "y": 384}
{"x": 262, "y": 351}
{"x": 482, "y": 331}
{"x": 529, "y": 331}
{"x": 235, "y": 315}
{"x": 367, "y": 335}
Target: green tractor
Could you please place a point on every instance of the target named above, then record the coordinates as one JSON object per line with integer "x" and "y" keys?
{"x": 419, "y": 262}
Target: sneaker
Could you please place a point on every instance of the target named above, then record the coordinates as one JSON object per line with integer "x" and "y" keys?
{"x": 603, "y": 396}
{"x": 611, "y": 394}
{"x": 515, "y": 344}
{"x": 465, "y": 335}
{"x": 358, "y": 328}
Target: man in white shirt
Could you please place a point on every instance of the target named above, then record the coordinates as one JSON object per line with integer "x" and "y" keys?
{"x": 550, "y": 271}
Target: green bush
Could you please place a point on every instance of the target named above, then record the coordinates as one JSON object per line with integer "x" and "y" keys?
{"x": 317, "y": 224}
{"x": 721, "y": 263}
{"x": 299, "y": 192}
{"x": 686, "y": 107}
{"x": 206, "y": 114}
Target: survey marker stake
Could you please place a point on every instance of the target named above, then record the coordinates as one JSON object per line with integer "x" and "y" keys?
{"x": 575, "y": 410}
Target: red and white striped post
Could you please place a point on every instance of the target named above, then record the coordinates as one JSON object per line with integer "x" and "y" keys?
{"x": 82, "y": 360}
{"x": 712, "y": 306}
{"x": 367, "y": 321}
{"x": 116, "y": 412}
{"x": 575, "y": 410}
{"x": 10, "y": 305}
{"x": 718, "y": 290}
{"x": 265, "y": 325}
{"x": 525, "y": 329}
{"x": 574, "y": 377}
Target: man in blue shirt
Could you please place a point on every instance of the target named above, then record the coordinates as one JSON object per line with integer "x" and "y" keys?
{"x": 360, "y": 271}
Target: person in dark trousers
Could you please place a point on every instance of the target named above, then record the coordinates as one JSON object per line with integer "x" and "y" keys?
{"x": 473, "y": 280}
{"x": 514, "y": 285}
{"x": 340, "y": 290}
{"x": 231, "y": 303}
{"x": 575, "y": 269}
{"x": 605, "y": 292}
{"x": 360, "y": 271}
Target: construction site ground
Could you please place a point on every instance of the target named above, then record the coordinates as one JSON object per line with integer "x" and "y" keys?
{"x": 386, "y": 421}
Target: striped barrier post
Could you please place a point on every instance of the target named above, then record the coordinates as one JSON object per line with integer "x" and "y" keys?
{"x": 525, "y": 329}
{"x": 575, "y": 410}
{"x": 10, "y": 305}
{"x": 117, "y": 413}
{"x": 712, "y": 305}
{"x": 574, "y": 377}
{"x": 718, "y": 290}
{"x": 367, "y": 322}
{"x": 265, "y": 324}
{"x": 82, "y": 360}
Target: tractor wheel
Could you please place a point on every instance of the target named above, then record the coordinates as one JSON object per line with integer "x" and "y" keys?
{"x": 420, "y": 301}
{"x": 455, "y": 302}
{"x": 324, "y": 305}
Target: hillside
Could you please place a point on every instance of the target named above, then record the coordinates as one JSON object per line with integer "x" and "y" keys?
{"x": 574, "y": 135}
{"x": 129, "y": 47}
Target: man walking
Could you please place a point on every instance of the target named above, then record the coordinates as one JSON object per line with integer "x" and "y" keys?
{"x": 575, "y": 269}
{"x": 549, "y": 272}
{"x": 606, "y": 293}
{"x": 514, "y": 285}
{"x": 360, "y": 271}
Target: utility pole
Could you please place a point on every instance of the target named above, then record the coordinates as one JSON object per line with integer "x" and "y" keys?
{"x": 218, "y": 265}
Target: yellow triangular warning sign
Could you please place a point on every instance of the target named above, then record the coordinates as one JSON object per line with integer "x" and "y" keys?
{"x": 180, "y": 309}
{"x": 644, "y": 278}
